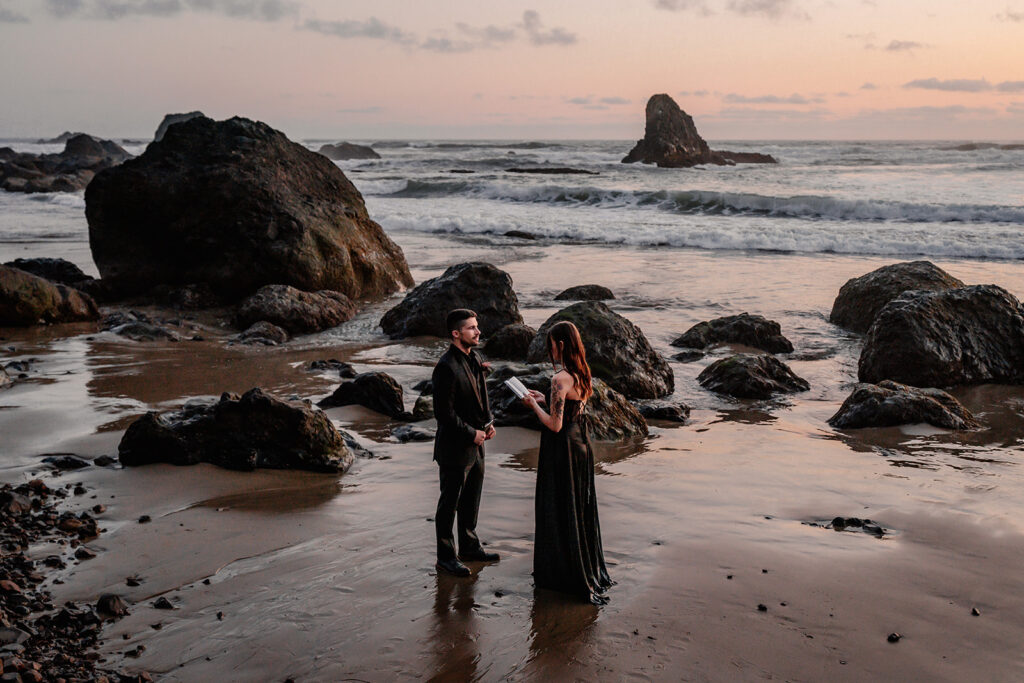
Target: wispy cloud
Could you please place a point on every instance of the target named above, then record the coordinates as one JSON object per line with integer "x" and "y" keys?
{"x": 9, "y": 16}
{"x": 772, "y": 9}
{"x": 372, "y": 28}
{"x": 952, "y": 85}
{"x": 869, "y": 86}
{"x": 538, "y": 36}
{"x": 904, "y": 46}
{"x": 1010, "y": 15}
{"x": 694, "y": 93}
{"x": 113, "y": 10}
{"x": 733, "y": 98}
{"x": 1011, "y": 86}
{"x": 591, "y": 102}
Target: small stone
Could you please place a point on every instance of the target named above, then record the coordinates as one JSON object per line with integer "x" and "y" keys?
{"x": 99, "y": 509}
{"x": 80, "y": 490}
{"x": 163, "y": 603}
{"x": 111, "y": 605}
{"x": 764, "y": 571}
{"x": 206, "y": 582}
{"x": 975, "y": 612}
{"x": 762, "y": 607}
{"x": 133, "y": 581}
{"x": 729, "y": 577}
{"x": 220, "y": 616}
{"x": 84, "y": 553}
{"x": 894, "y": 637}
{"x": 144, "y": 519}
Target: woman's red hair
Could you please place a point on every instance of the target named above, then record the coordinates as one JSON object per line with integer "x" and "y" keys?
{"x": 574, "y": 357}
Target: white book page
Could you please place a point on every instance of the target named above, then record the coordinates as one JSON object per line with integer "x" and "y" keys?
{"x": 517, "y": 387}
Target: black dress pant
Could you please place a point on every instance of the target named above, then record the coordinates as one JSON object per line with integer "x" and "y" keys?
{"x": 461, "y": 484}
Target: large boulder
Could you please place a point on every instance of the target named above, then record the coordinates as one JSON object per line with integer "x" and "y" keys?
{"x": 236, "y": 205}
{"x": 27, "y": 299}
{"x": 377, "y": 391}
{"x": 888, "y": 404}
{"x": 295, "y": 311}
{"x": 481, "y": 287}
{"x": 53, "y": 269}
{"x": 171, "y": 119}
{"x": 671, "y": 140}
{"x": 608, "y": 415}
{"x": 347, "y": 150}
{"x": 69, "y": 171}
{"x": 239, "y": 433}
{"x": 860, "y": 299}
{"x": 585, "y": 293}
{"x": 750, "y": 375}
{"x": 968, "y": 335}
{"x": 750, "y": 330}
{"x": 511, "y": 342}
{"x": 617, "y": 351}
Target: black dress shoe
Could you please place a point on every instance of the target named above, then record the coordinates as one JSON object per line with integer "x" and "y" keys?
{"x": 453, "y": 567}
{"x": 479, "y": 556}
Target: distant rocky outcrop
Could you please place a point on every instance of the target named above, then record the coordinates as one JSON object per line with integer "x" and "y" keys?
{"x": 347, "y": 150}
{"x": 295, "y": 311}
{"x": 617, "y": 350}
{"x": 481, "y": 287}
{"x": 585, "y": 293}
{"x": 377, "y": 391}
{"x": 749, "y": 375}
{"x": 551, "y": 170}
{"x": 236, "y": 205}
{"x": 671, "y": 141}
{"x": 27, "y": 299}
{"x": 750, "y": 330}
{"x": 171, "y": 119}
{"x": 69, "y": 171}
{"x": 608, "y": 415}
{"x": 860, "y": 299}
{"x": 888, "y": 404}
{"x": 977, "y": 146}
{"x": 967, "y": 335}
{"x": 59, "y": 140}
{"x": 511, "y": 342}
{"x": 240, "y": 433}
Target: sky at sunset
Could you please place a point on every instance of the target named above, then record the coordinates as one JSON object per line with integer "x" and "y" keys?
{"x": 745, "y": 69}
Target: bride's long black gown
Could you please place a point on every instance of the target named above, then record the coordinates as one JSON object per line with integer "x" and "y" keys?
{"x": 568, "y": 556}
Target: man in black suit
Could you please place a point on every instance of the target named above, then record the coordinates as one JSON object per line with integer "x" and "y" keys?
{"x": 463, "y": 424}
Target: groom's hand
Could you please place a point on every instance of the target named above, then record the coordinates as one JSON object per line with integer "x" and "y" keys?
{"x": 490, "y": 432}
{"x": 479, "y": 438}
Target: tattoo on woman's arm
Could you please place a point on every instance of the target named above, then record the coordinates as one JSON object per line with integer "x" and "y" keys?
{"x": 557, "y": 402}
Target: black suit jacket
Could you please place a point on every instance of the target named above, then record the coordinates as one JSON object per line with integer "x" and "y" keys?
{"x": 460, "y": 406}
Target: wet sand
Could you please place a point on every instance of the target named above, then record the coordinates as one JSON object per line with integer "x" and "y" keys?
{"x": 328, "y": 578}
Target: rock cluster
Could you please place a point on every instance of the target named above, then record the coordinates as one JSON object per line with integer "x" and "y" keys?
{"x": 860, "y": 299}
{"x": 889, "y": 403}
{"x": 346, "y": 150}
{"x": 671, "y": 141}
{"x": 69, "y": 171}
{"x": 751, "y": 376}
{"x": 481, "y": 287}
{"x": 617, "y": 350}
{"x": 967, "y": 335}
{"x": 240, "y": 433}
{"x": 295, "y": 311}
{"x": 27, "y": 299}
{"x": 750, "y": 330}
{"x": 236, "y": 205}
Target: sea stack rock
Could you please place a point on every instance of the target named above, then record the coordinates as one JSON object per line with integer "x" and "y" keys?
{"x": 347, "y": 150}
{"x": 172, "y": 119}
{"x": 671, "y": 141}
{"x": 236, "y": 205}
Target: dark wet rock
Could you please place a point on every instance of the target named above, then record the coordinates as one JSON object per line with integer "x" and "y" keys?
{"x": 69, "y": 171}
{"x": 585, "y": 293}
{"x": 608, "y": 414}
{"x": 688, "y": 356}
{"x": 521, "y": 234}
{"x": 894, "y": 637}
{"x": 236, "y": 205}
{"x": 190, "y": 297}
{"x": 377, "y": 391}
{"x": 671, "y": 140}
{"x": 617, "y": 351}
{"x": 27, "y": 299}
{"x": 889, "y": 403}
{"x": 552, "y": 170}
{"x": 83, "y": 553}
{"x": 761, "y": 607}
{"x": 296, "y": 311}
{"x": 481, "y": 287}
{"x": 60, "y": 139}
{"x": 13, "y": 503}
{"x": 967, "y": 335}
{"x": 748, "y": 375}
{"x": 975, "y": 612}
{"x": 104, "y": 460}
{"x": 264, "y": 333}
{"x": 667, "y": 411}
{"x": 144, "y": 332}
{"x": 860, "y": 299}
{"x": 240, "y": 433}
{"x": 145, "y": 519}
{"x": 850, "y": 523}
{"x": 162, "y": 603}
{"x": 425, "y": 386}
{"x": 348, "y": 150}
{"x": 424, "y": 408}
{"x": 750, "y": 330}
{"x": 66, "y": 461}
{"x": 55, "y": 270}
{"x": 344, "y": 370}
{"x": 511, "y": 342}
{"x": 171, "y": 119}
{"x": 407, "y": 433}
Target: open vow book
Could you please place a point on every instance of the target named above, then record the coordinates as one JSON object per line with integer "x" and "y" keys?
{"x": 517, "y": 387}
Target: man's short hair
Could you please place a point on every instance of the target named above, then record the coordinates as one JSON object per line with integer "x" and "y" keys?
{"x": 457, "y": 317}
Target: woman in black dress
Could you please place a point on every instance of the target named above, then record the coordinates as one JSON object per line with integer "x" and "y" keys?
{"x": 568, "y": 556}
